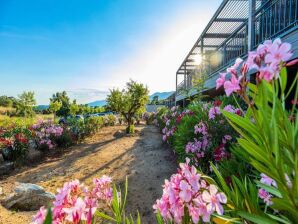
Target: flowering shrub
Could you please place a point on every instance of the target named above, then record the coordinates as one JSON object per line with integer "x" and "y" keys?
{"x": 159, "y": 117}
{"x": 170, "y": 121}
{"x": 268, "y": 130}
{"x": 75, "y": 203}
{"x": 188, "y": 196}
{"x": 149, "y": 117}
{"x": 204, "y": 135}
{"x": 14, "y": 143}
{"x": 267, "y": 61}
{"x": 46, "y": 133}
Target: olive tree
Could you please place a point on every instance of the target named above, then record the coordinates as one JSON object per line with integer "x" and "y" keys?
{"x": 54, "y": 107}
{"x": 128, "y": 102}
{"x": 25, "y": 104}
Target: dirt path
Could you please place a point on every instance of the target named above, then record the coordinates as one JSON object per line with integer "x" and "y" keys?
{"x": 143, "y": 158}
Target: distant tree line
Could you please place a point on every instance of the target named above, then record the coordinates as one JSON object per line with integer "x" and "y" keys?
{"x": 60, "y": 105}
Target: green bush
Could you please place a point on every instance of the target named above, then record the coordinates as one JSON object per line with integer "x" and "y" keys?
{"x": 111, "y": 119}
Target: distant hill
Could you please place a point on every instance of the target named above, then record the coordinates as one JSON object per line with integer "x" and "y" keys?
{"x": 101, "y": 103}
{"x": 42, "y": 107}
{"x": 97, "y": 103}
{"x": 161, "y": 95}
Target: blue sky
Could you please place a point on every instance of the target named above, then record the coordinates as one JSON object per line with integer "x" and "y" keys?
{"x": 87, "y": 47}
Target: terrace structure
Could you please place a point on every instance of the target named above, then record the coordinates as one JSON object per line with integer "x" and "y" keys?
{"x": 237, "y": 27}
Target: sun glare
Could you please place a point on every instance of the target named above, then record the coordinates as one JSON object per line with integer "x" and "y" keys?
{"x": 198, "y": 59}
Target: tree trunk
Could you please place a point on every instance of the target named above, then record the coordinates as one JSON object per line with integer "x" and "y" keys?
{"x": 130, "y": 126}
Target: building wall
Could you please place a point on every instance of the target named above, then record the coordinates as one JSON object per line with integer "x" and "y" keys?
{"x": 153, "y": 108}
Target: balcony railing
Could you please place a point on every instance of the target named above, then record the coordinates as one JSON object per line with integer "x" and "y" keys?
{"x": 271, "y": 19}
{"x": 274, "y": 18}
{"x": 235, "y": 46}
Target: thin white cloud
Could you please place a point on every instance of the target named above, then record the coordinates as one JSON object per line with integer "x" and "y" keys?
{"x": 85, "y": 95}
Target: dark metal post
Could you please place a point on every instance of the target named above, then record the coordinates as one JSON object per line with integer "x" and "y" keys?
{"x": 185, "y": 76}
{"x": 251, "y": 21}
{"x": 176, "y": 93}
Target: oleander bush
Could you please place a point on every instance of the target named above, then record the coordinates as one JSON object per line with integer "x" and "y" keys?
{"x": 14, "y": 143}
{"x": 204, "y": 135}
{"x": 148, "y": 118}
{"x": 45, "y": 135}
{"x": 259, "y": 178}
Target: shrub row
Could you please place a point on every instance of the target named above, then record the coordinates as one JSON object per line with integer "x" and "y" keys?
{"x": 45, "y": 135}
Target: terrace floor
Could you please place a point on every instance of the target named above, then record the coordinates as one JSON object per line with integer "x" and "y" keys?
{"x": 143, "y": 158}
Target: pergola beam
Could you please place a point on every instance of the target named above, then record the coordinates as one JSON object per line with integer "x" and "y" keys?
{"x": 222, "y": 35}
{"x": 232, "y": 20}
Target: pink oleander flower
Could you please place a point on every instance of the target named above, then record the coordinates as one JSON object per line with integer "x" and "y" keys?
{"x": 268, "y": 72}
{"x": 164, "y": 138}
{"x": 226, "y": 138}
{"x": 214, "y": 200}
{"x": 263, "y": 194}
{"x": 267, "y": 180}
{"x": 200, "y": 128}
{"x": 74, "y": 203}
{"x": 233, "y": 68}
{"x": 102, "y": 188}
{"x": 40, "y": 216}
{"x": 278, "y": 52}
{"x": 229, "y": 108}
{"x": 184, "y": 193}
{"x": 221, "y": 80}
{"x": 213, "y": 111}
{"x": 232, "y": 85}
{"x": 202, "y": 209}
{"x": 76, "y": 213}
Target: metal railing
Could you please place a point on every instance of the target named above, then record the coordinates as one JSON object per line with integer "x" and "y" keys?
{"x": 235, "y": 46}
{"x": 274, "y": 18}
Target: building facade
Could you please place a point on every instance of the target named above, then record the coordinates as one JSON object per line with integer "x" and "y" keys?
{"x": 237, "y": 27}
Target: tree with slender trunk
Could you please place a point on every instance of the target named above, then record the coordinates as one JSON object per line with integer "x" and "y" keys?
{"x": 54, "y": 107}
{"x": 128, "y": 102}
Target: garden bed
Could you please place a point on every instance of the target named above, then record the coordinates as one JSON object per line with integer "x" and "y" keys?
{"x": 142, "y": 157}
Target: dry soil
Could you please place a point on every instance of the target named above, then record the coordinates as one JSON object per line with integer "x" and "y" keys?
{"x": 143, "y": 158}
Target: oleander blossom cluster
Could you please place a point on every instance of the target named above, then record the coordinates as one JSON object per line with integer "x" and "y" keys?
{"x": 265, "y": 195}
{"x": 45, "y": 131}
{"x": 74, "y": 203}
{"x": 170, "y": 126}
{"x": 187, "y": 191}
{"x": 205, "y": 144}
{"x": 198, "y": 147}
{"x": 171, "y": 120}
{"x": 267, "y": 61}
{"x": 215, "y": 110}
